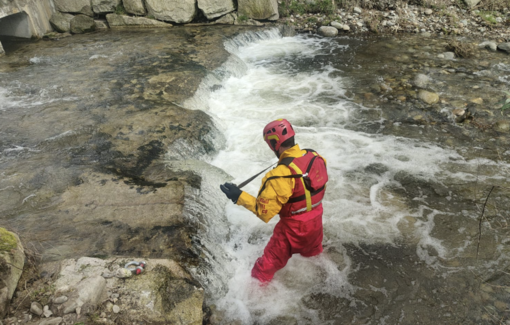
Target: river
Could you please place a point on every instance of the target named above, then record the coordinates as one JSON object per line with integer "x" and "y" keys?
{"x": 408, "y": 186}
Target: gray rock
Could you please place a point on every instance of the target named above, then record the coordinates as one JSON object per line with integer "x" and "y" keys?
{"x": 177, "y": 11}
{"x": 258, "y": 9}
{"x": 346, "y": 27}
{"x": 357, "y": 10}
{"x": 61, "y": 22}
{"x": 337, "y": 25}
{"x": 428, "y": 12}
{"x": 116, "y": 21}
{"x": 448, "y": 55}
{"x": 51, "y": 321}
{"x": 60, "y": 300}
{"x": 502, "y": 126}
{"x": 36, "y": 308}
{"x": 228, "y": 19}
{"x": 490, "y": 45}
{"x": 421, "y": 80}
{"x": 74, "y": 6}
{"x": 135, "y": 7}
{"x": 104, "y": 6}
{"x": 47, "y": 312}
{"x": 504, "y": 47}
{"x": 216, "y": 8}
{"x": 428, "y": 97}
{"x": 12, "y": 260}
{"x": 101, "y": 24}
{"x": 471, "y": 3}
{"x": 82, "y": 24}
{"x": 327, "y": 31}
{"x": 116, "y": 309}
{"x": 426, "y": 34}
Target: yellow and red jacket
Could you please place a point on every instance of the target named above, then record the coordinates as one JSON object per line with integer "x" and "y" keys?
{"x": 280, "y": 193}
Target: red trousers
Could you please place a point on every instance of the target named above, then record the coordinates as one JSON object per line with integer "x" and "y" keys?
{"x": 299, "y": 234}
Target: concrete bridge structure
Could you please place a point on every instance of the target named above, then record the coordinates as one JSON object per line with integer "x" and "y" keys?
{"x": 25, "y": 18}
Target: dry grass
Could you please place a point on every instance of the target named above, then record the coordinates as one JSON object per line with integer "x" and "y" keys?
{"x": 461, "y": 50}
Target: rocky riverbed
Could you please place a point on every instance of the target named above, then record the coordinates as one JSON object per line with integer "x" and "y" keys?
{"x": 102, "y": 172}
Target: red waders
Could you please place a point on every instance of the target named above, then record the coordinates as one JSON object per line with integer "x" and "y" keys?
{"x": 299, "y": 230}
{"x": 300, "y": 234}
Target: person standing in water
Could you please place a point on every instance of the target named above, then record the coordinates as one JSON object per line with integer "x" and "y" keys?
{"x": 294, "y": 190}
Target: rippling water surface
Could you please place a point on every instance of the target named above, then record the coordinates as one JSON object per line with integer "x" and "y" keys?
{"x": 402, "y": 213}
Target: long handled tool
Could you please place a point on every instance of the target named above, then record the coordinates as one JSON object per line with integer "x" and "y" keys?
{"x": 253, "y": 177}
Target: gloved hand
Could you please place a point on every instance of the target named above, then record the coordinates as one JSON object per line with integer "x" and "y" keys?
{"x": 231, "y": 191}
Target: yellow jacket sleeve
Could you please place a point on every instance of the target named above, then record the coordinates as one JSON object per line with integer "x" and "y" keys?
{"x": 272, "y": 196}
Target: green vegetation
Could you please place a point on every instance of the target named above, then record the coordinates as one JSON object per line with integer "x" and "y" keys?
{"x": 505, "y": 102}
{"x": 120, "y": 10}
{"x": 7, "y": 240}
{"x": 293, "y": 7}
{"x": 243, "y": 18}
{"x": 488, "y": 16}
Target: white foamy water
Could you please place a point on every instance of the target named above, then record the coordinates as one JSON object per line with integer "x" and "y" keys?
{"x": 277, "y": 83}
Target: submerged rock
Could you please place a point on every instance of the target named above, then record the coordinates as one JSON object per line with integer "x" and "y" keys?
{"x": 428, "y": 97}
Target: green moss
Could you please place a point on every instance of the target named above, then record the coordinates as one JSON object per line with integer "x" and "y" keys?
{"x": 488, "y": 16}
{"x": 119, "y": 10}
{"x": 7, "y": 240}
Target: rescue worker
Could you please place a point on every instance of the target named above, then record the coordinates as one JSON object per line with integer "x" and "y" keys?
{"x": 294, "y": 190}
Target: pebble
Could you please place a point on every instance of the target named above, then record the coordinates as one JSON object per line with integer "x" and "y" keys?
{"x": 47, "y": 312}
{"x": 60, "y": 300}
{"x": 51, "y": 321}
{"x": 428, "y": 97}
{"x": 116, "y": 309}
{"x": 36, "y": 308}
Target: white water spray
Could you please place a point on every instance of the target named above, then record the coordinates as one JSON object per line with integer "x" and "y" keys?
{"x": 268, "y": 78}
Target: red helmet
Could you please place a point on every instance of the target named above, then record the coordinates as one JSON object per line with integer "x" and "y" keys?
{"x": 276, "y": 132}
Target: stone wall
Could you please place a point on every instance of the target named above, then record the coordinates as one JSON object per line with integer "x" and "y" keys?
{"x": 25, "y": 18}
{"x": 94, "y": 14}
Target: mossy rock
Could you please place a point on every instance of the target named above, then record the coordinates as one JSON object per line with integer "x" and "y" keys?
{"x": 8, "y": 241}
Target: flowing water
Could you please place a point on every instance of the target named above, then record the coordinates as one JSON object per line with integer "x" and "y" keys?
{"x": 402, "y": 210}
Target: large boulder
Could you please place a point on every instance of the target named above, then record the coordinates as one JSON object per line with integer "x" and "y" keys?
{"x": 177, "y": 11}
{"x": 258, "y": 9}
{"x": 115, "y": 20}
{"x": 82, "y": 24}
{"x": 105, "y": 6}
{"x": 216, "y": 8}
{"x": 61, "y": 22}
{"x": 134, "y": 7}
{"x": 12, "y": 260}
{"x": 74, "y": 6}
